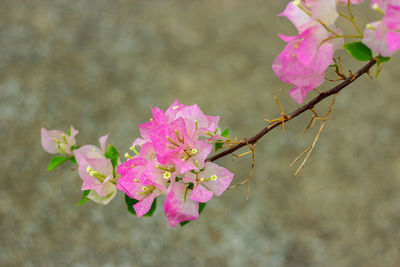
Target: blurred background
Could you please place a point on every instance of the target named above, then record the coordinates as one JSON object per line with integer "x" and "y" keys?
{"x": 98, "y": 65}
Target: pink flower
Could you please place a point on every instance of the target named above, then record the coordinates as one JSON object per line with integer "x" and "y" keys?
{"x": 307, "y": 55}
{"x": 212, "y": 180}
{"x": 96, "y": 172}
{"x": 383, "y": 37}
{"x": 178, "y": 206}
{"x": 136, "y": 186}
{"x": 172, "y": 143}
{"x": 55, "y": 141}
{"x": 144, "y": 179}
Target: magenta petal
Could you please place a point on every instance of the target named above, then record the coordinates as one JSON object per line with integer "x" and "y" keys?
{"x": 177, "y": 208}
{"x": 393, "y": 41}
{"x": 200, "y": 194}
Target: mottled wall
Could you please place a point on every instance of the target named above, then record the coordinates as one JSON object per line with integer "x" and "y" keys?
{"x": 99, "y": 65}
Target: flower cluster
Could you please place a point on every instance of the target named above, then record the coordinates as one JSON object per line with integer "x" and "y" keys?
{"x": 307, "y": 56}
{"x": 383, "y": 37}
{"x": 95, "y": 169}
{"x": 174, "y": 146}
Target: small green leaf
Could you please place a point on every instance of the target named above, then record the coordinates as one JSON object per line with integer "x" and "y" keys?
{"x": 219, "y": 145}
{"x": 201, "y": 208}
{"x": 69, "y": 131}
{"x": 359, "y": 51}
{"x": 55, "y": 162}
{"x": 84, "y": 197}
{"x": 190, "y": 186}
{"x": 129, "y": 204}
{"x": 112, "y": 154}
{"x": 72, "y": 159}
{"x": 74, "y": 147}
{"x": 152, "y": 209}
{"x": 383, "y": 59}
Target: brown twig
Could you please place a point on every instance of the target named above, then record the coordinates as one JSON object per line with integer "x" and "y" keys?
{"x": 311, "y": 148}
{"x": 252, "y": 149}
{"x": 297, "y": 112}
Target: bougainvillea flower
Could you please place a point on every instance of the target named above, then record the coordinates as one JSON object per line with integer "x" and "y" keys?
{"x": 307, "y": 55}
{"x": 197, "y": 124}
{"x": 96, "y": 172}
{"x": 131, "y": 185}
{"x": 178, "y": 206}
{"x": 212, "y": 180}
{"x": 383, "y": 37}
{"x": 172, "y": 145}
{"x": 55, "y": 141}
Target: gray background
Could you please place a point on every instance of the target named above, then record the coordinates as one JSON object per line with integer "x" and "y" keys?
{"x": 98, "y": 65}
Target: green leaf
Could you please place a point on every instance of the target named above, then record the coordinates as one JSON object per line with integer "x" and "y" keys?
{"x": 359, "y": 51}
{"x": 383, "y": 59}
{"x": 152, "y": 209}
{"x": 74, "y": 147}
{"x": 112, "y": 154}
{"x": 219, "y": 145}
{"x": 201, "y": 208}
{"x": 72, "y": 159}
{"x": 69, "y": 131}
{"x": 129, "y": 204}
{"x": 55, "y": 162}
{"x": 84, "y": 197}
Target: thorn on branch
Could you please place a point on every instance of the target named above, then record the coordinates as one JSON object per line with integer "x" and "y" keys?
{"x": 282, "y": 119}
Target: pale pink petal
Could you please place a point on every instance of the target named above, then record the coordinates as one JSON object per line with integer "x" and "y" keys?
{"x": 101, "y": 200}
{"x": 297, "y": 16}
{"x": 102, "y": 141}
{"x": 143, "y": 206}
{"x": 178, "y": 206}
{"x": 138, "y": 142}
{"x": 200, "y": 194}
{"x": 223, "y": 178}
{"x": 51, "y": 146}
{"x": 325, "y": 11}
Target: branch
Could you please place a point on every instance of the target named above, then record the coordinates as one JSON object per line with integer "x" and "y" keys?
{"x": 297, "y": 112}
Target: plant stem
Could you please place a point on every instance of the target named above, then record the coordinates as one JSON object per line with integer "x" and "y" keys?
{"x": 297, "y": 112}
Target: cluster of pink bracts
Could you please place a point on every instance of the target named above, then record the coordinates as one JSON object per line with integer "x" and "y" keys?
{"x": 175, "y": 143}
{"x": 171, "y": 161}
{"x": 307, "y": 56}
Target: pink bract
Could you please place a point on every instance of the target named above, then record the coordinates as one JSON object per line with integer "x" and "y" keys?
{"x": 212, "y": 180}
{"x": 55, "y": 141}
{"x": 178, "y": 206}
{"x": 307, "y": 55}
{"x": 96, "y": 171}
